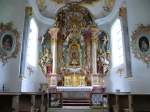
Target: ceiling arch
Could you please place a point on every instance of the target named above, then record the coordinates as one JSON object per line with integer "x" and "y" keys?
{"x": 98, "y": 19}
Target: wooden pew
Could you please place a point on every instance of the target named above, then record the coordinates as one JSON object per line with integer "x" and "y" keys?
{"x": 9, "y": 102}
{"x": 23, "y": 102}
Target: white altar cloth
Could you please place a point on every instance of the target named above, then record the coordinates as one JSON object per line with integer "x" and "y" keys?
{"x": 83, "y": 88}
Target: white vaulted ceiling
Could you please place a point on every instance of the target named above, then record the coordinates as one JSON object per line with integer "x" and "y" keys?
{"x": 102, "y": 11}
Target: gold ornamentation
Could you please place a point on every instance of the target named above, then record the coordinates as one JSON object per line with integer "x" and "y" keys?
{"x": 123, "y": 11}
{"x": 73, "y": 18}
{"x": 108, "y": 5}
{"x": 54, "y": 32}
{"x": 45, "y": 61}
{"x": 141, "y": 43}
{"x": 9, "y": 42}
{"x": 41, "y": 4}
{"x": 95, "y": 32}
{"x": 74, "y": 79}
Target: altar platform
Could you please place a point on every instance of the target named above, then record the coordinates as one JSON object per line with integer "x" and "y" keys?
{"x": 75, "y": 92}
{"x": 81, "y": 88}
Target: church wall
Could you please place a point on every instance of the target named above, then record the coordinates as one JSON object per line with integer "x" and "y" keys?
{"x": 138, "y": 13}
{"x": 12, "y": 10}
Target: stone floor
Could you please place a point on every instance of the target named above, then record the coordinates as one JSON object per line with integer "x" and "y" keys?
{"x": 76, "y": 109}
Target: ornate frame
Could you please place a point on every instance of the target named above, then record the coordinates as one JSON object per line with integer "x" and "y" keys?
{"x": 141, "y": 43}
{"x": 9, "y": 42}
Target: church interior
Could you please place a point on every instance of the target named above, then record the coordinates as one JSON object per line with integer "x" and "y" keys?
{"x": 74, "y": 56}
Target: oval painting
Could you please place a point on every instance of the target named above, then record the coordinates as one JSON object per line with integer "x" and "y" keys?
{"x": 7, "y": 42}
{"x": 144, "y": 44}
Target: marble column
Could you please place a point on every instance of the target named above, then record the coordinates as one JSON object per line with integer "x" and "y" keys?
{"x": 95, "y": 77}
{"x": 54, "y": 33}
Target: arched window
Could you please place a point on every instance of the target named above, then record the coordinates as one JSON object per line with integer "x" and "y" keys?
{"x": 32, "y": 44}
{"x": 117, "y": 44}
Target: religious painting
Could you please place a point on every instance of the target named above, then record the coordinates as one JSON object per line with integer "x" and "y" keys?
{"x": 74, "y": 55}
{"x": 141, "y": 43}
{"x": 9, "y": 41}
{"x": 144, "y": 44}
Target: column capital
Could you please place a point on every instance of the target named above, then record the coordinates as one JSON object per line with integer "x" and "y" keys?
{"x": 95, "y": 32}
{"x": 53, "y": 32}
{"x": 123, "y": 12}
{"x": 28, "y": 11}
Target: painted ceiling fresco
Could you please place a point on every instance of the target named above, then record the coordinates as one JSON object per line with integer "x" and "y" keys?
{"x": 98, "y": 8}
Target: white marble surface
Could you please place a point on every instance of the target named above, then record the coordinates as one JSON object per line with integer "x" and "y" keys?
{"x": 83, "y": 88}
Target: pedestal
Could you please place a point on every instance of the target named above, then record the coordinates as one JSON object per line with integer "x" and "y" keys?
{"x": 52, "y": 80}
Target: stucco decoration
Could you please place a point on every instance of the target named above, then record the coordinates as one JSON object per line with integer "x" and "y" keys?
{"x": 73, "y": 17}
{"x": 98, "y": 8}
{"x": 103, "y": 53}
{"x": 141, "y": 43}
{"x": 9, "y": 42}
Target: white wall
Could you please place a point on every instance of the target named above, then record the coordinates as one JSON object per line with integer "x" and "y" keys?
{"x": 12, "y": 10}
{"x": 138, "y": 13}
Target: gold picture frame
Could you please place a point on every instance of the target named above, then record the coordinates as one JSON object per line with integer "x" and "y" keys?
{"x": 141, "y": 43}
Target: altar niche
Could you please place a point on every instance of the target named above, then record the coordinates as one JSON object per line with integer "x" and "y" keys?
{"x": 74, "y": 55}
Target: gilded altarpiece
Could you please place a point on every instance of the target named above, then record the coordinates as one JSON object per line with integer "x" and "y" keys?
{"x": 74, "y": 61}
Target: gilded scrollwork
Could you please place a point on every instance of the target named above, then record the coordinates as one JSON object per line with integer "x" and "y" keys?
{"x": 9, "y": 42}
{"x": 141, "y": 43}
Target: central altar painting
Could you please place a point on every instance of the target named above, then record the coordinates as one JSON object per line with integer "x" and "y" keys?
{"x": 78, "y": 52}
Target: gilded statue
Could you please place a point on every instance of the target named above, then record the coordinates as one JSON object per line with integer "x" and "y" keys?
{"x": 74, "y": 55}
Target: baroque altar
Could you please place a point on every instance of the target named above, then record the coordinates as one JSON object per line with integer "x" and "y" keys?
{"x": 75, "y": 52}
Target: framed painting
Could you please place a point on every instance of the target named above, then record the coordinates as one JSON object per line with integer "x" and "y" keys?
{"x": 144, "y": 43}
{"x": 141, "y": 43}
{"x": 9, "y": 42}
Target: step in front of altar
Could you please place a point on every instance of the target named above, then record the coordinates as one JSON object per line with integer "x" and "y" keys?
{"x": 76, "y": 102}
